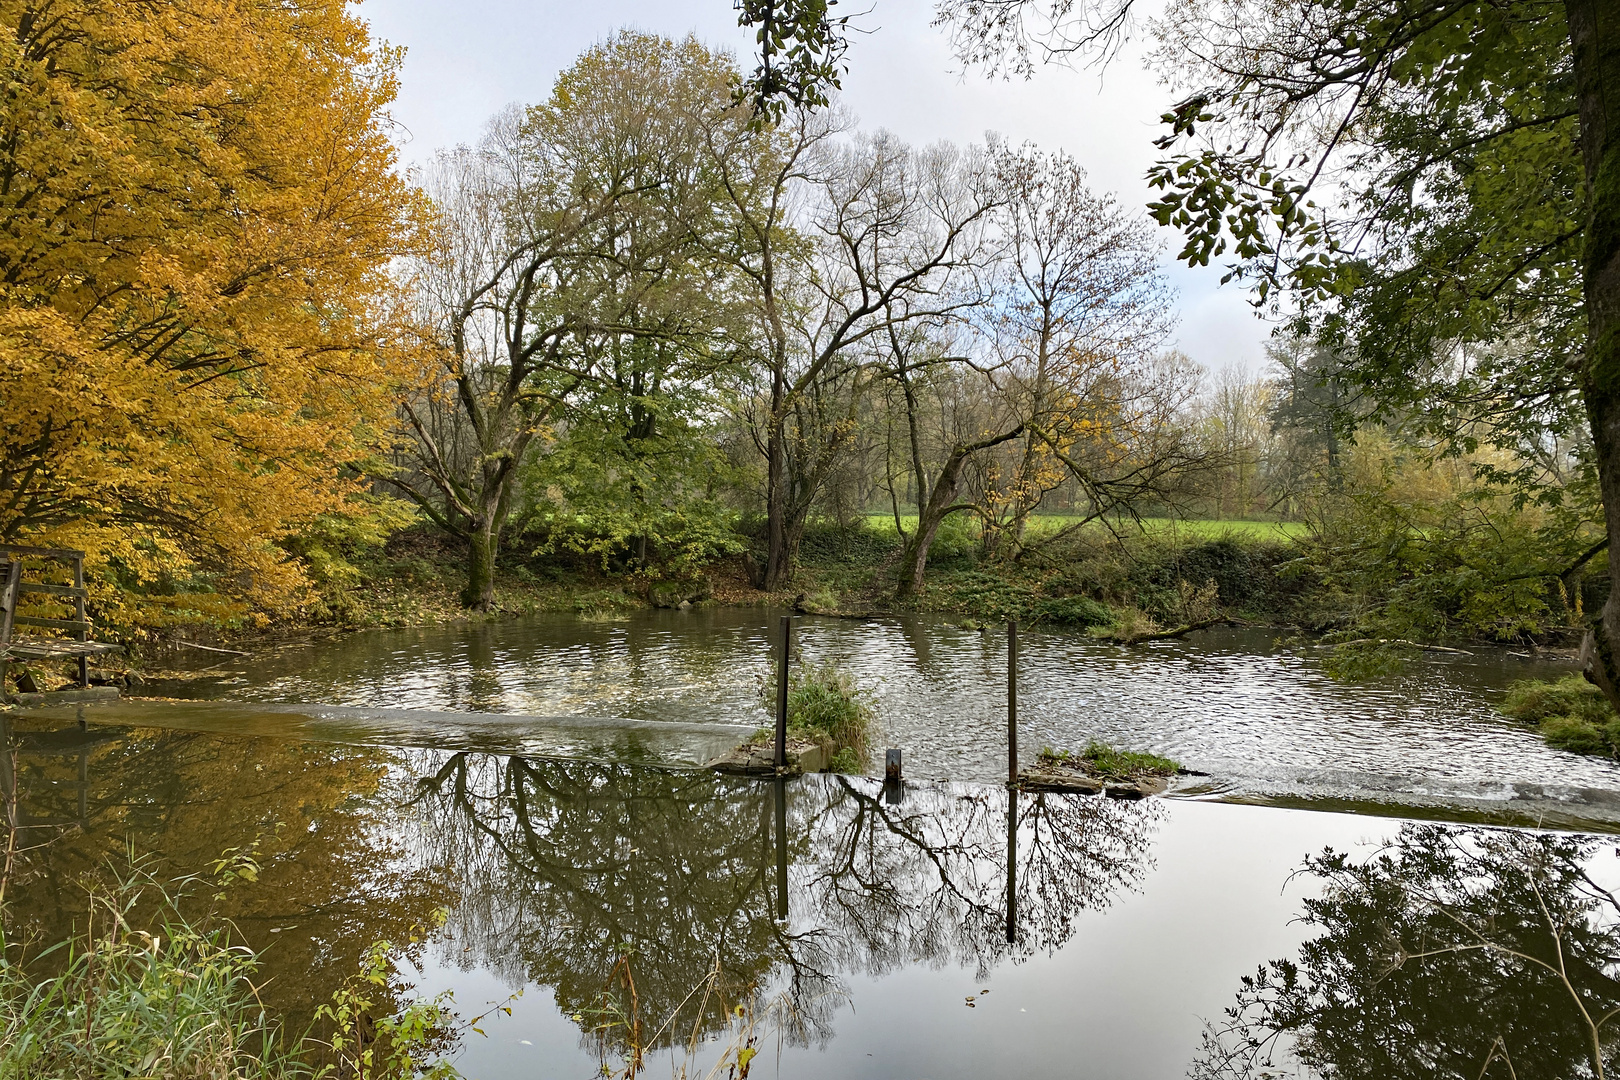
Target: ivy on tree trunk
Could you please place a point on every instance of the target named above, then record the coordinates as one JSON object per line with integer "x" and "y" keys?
{"x": 1594, "y": 30}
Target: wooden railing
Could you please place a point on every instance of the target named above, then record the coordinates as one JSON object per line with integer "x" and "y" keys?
{"x": 14, "y": 585}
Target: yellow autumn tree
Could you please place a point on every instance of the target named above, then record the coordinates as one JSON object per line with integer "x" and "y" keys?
{"x": 198, "y": 211}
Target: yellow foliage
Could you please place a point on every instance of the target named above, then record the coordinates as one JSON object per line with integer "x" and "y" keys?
{"x": 200, "y": 207}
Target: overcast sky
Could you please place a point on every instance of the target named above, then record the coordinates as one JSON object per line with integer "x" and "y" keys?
{"x": 466, "y": 59}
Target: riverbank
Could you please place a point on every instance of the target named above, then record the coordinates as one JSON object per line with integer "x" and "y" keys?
{"x": 1165, "y": 579}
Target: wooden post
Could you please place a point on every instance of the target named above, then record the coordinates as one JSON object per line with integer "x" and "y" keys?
{"x": 83, "y": 632}
{"x": 10, "y": 585}
{"x": 1012, "y": 701}
{"x": 782, "y": 693}
{"x": 8, "y": 779}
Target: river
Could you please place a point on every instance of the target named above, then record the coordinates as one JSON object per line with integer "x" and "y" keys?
{"x": 533, "y": 782}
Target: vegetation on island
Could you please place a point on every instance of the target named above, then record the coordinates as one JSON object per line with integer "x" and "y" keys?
{"x": 1103, "y": 762}
{"x": 826, "y": 706}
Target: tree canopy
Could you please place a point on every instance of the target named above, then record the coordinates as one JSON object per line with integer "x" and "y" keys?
{"x": 196, "y": 306}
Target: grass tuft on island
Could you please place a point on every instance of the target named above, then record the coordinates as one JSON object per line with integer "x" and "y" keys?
{"x": 1103, "y": 762}
{"x": 1570, "y": 713}
{"x": 825, "y": 705}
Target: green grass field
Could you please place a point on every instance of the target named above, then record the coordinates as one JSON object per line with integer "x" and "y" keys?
{"x": 1203, "y": 530}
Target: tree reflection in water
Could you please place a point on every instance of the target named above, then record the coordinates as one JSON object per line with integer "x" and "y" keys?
{"x": 569, "y": 866}
{"x": 332, "y": 877}
{"x": 1452, "y": 953}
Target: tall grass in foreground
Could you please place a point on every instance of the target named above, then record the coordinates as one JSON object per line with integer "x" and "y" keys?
{"x": 179, "y": 1001}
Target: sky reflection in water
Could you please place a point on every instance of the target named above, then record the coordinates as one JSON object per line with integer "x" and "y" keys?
{"x": 1133, "y": 923}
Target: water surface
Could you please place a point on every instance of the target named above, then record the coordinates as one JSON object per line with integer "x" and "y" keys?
{"x": 949, "y": 930}
{"x": 1260, "y": 717}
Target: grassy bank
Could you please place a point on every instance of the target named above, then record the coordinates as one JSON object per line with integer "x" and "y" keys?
{"x": 1166, "y": 576}
{"x": 1081, "y": 579}
{"x": 1204, "y": 529}
{"x": 1158, "y": 579}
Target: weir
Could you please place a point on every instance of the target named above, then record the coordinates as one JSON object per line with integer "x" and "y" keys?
{"x": 582, "y": 737}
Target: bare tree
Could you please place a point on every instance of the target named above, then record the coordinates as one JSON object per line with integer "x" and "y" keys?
{"x": 1237, "y": 421}
{"x": 867, "y": 234}
{"x": 1082, "y": 312}
{"x": 1062, "y": 351}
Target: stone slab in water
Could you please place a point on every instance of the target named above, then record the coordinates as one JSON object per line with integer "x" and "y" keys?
{"x": 1061, "y": 778}
{"x": 754, "y": 759}
{"x": 78, "y": 696}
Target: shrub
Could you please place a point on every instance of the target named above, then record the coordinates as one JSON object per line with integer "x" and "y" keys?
{"x": 1129, "y": 625}
{"x": 825, "y": 702}
{"x": 1074, "y": 611}
{"x": 1571, "y": 714}
{"x": 179, "y": 1002}
{"x": 1533, "y": 700}
{"x": 1244, "y": 573}
{"x": 1580, "y": 736}
{"x": 1475, "y": 565}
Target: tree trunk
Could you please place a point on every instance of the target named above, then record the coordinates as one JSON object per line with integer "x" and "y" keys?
{"x": 482, "y": 547}
{"x": 1594, "y": 30}
{"x": 776, "y": 496}
{"x": 932, "y": 514}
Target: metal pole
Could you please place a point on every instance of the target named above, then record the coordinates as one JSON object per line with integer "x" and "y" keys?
{"x": 782, "y": 693}
{"x": 1012, "y": 701}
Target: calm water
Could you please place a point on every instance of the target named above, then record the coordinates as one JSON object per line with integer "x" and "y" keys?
{"x": 1262, "y": 720}
{"x": 1093, "y": 938}
{"x": 533, "y": 784}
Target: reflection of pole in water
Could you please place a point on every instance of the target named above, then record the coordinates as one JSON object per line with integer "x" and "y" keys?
{"x": 1012, "y": 865}
{"x": 84, "y": 788}
{"x": 84, "y": 766}
{"x": 780, "y": 760}
{"x": 780, "y": 794}
{"x": 8, "y": 774}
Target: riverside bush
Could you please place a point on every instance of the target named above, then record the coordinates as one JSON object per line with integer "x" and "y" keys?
{"x": 1571, "y": 714}
{"x": 1074, "y": 611}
